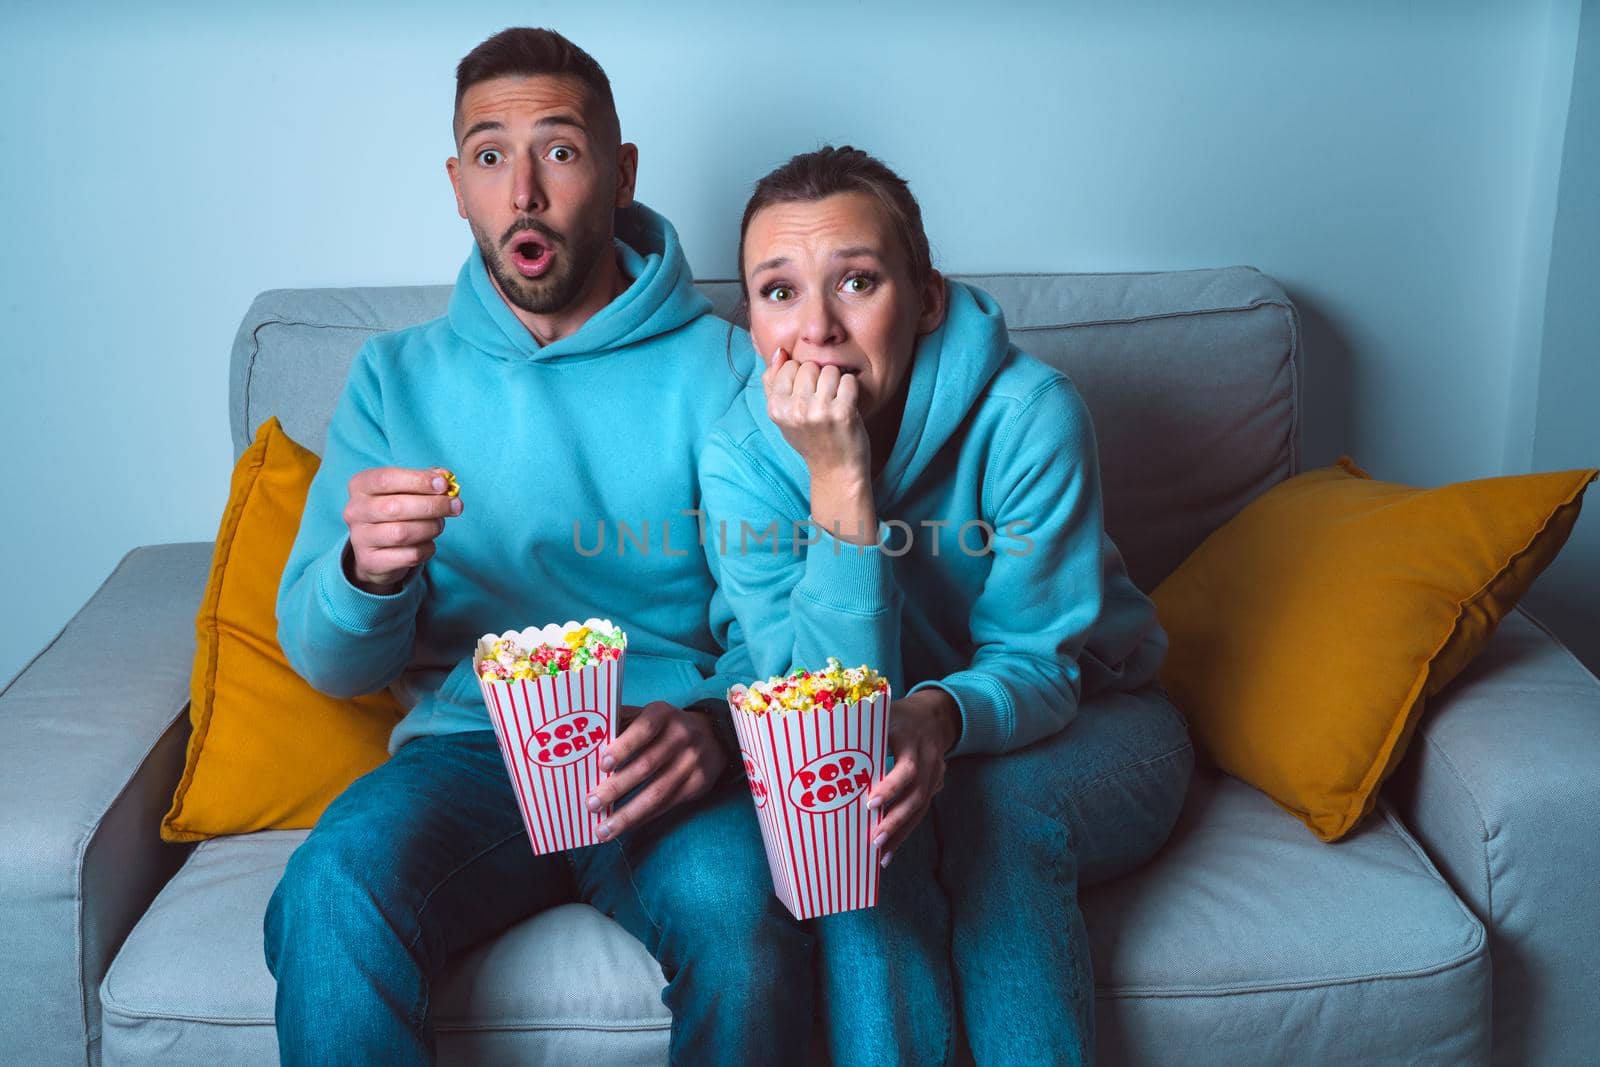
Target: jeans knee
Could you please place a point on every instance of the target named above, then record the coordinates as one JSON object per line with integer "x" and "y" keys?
{"x": 1005, "y": 856}
{"x": 1124, "y": 823}
{"x": 997, "y": 803}
{"x": 329, "y": 892}
{"x": 1169, "y": 780}
{"x": 730, "y": 928}
{"x": 319, "y": 871}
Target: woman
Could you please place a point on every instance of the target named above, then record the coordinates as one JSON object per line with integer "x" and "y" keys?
{"x": 937, "y": 495}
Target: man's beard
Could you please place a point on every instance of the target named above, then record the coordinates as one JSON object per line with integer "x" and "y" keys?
{"x": 561, "y": 286}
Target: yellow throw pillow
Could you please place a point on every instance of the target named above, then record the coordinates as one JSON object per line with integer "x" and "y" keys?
{"x": 268, "y": 752}
{"x": 1308, "y": 631}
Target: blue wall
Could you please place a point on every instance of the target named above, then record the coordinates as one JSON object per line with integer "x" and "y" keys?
{"x": 1398, "y": 166}
{"x": 1566, "y": 421}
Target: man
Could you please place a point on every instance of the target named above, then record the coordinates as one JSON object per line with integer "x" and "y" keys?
{"x": 567, "y": 387}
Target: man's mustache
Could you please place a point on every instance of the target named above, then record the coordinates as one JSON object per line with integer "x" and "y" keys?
{"x": 523, "y": 225}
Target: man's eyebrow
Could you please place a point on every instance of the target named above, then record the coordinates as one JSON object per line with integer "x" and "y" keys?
{"x": 481, "y": 127}
{"x": 562, "y": 118}
{"x": 493, "y": 125}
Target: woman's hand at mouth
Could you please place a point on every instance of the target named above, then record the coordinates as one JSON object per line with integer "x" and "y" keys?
{"x": 815, "y": 408}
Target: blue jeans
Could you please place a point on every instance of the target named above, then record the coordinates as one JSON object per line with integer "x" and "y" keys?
{"x": 996, "y": 896}
{"x": 884, "y": 971}
{"x": 427, "y": 855}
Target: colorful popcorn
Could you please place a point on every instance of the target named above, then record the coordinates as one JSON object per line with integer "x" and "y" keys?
{"x": 810, "y": 776}
{"x": 515, "y": 658}
{"x": 553, "y": 694}
{"x": 803, "y": 690}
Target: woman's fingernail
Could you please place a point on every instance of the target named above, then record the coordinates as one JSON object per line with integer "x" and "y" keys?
{"x": 604, "y": 833}
{"x": 887, "y": 856}
{"x": 606, "y": 763}
{"x": 877, "y": 842}
{"x": 455, "y": 506}
{"x": 593, "y": 803}
{"x": 874, "y": 803}
{"x": 438, "y": 485}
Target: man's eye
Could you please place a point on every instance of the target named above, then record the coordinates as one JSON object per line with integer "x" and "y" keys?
{"x": 489, "y": 157}
{"x": 561, "y": 154}
{"x": 777, "y": 294}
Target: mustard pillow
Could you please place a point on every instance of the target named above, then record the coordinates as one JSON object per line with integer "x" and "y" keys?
{"x": 267, "y": 751}
{"x": 1307, "y": 632}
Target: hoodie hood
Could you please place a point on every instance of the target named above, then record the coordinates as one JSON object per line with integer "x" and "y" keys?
{"x": 660, "y": 299}
{"x": 950, "y": 370}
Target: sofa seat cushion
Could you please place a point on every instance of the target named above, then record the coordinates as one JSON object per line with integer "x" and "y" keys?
{"x": 1248, "y": 941}
{"x": 191, "y": 985}
{"x": 1245, "y": 941}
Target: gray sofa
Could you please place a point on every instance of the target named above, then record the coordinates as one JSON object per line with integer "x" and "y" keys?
{"x": 1458, "y": 925}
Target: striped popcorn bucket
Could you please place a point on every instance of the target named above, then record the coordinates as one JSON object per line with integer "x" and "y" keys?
{"x": 551, "y": 730}
{"x": 809, "y": 774}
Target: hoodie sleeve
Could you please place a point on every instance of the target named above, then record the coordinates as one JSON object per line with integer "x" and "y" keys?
{"x": 1045, "y": 588}
{"x": 733, "y": 665}
{"x": 732, "y": 668}
{"x": 799, "y": 594}
{"x": 341, "y": 639}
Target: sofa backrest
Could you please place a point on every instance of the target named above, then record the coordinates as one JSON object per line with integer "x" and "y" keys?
{"x": 1192, "y": 378}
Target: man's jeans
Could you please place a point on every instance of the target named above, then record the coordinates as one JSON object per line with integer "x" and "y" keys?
{"x": 427, "y": 855}
{"x": 1019, "y": 835}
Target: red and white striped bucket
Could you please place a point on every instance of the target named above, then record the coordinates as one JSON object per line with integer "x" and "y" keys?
{"x": 809, "y": 773}
{"x": 551, "y": 731}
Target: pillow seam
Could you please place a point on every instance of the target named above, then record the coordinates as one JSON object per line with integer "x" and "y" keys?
{"x": 202, "y": 716}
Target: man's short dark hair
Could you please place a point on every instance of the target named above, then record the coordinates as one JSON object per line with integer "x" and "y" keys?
{"x": 525, "y": 52}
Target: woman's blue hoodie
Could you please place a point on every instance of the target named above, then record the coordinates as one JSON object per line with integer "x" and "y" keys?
{"x": 991, "y": 440}
{"x": 556, "y": 447}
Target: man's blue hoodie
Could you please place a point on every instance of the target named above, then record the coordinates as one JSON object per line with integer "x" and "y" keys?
{"x": 992, "y": 443}
{"x": 554, "y": 447}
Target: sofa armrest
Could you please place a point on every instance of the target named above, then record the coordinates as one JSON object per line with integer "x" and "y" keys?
{"x": 1502, "y": 788}
{"x": 92, "y": 739}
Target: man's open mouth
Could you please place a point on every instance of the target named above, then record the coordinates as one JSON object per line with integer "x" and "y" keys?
{"x": 531, "y": 254}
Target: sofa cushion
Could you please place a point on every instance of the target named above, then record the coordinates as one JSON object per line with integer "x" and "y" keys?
{"x": 1247, "y": 941}
{"x": 1191, "y": 377}
{"x": 1309, "y": 632}
{"x": 1245, "y": 938}
{"x": 191, "y": 984}
{"x": 294, "y": 347}
{"x": 250, "y": 766}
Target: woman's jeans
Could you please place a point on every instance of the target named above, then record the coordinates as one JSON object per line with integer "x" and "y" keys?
{"x": 427, "y": 855}
{"x": 1019, "y": 835}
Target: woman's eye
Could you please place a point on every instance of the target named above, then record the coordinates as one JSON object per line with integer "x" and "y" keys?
{"x": 859, "y": 283}
{"x": 489, "y": 157}
{"x": 561, "y": 154}
{"x": 777, "y": 294}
